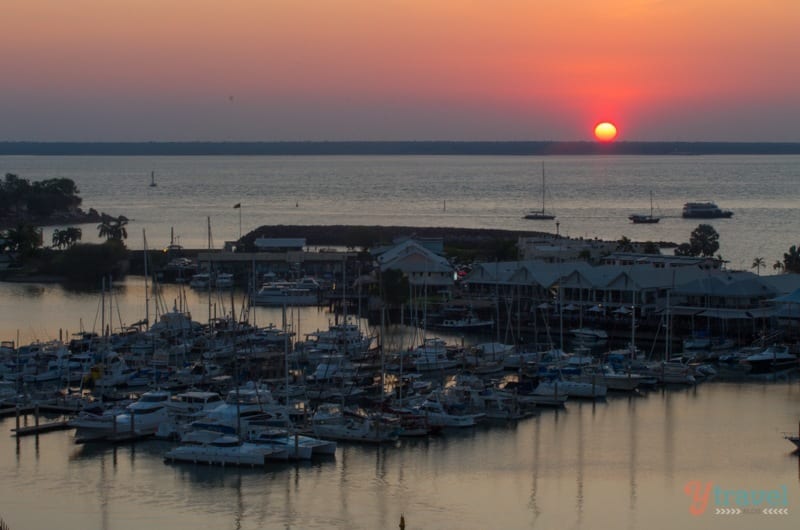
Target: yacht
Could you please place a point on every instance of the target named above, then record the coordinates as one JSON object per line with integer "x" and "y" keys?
{"x": 140, "y": 418}
{"x": 772, "y": 359}
{"x": 213, "y": 448}
{"x": 285, "y": 293}
{"x": 469, "y": 322}
{"x": 344, "y": 338}
{"x": 589, "y": 334}
{"x": 704, "y": 210}
{"x": 438, "y": 416}
{"x": 299, "y": 447}
{"x": 332, "y": 422}
{"x": 201, "y": 280}
{"x": 223, "y": 280}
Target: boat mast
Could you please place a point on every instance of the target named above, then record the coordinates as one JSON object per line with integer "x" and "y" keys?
{"x": 146, "y": 292}
{"x": 543, "y": 186}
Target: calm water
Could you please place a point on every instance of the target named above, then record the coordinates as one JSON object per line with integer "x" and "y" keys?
{"x": 621, "y": 463}
{"x": 618, "y": 464}
{"x": 592, "y": 196}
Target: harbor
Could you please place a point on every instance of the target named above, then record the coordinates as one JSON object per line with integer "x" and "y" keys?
{"x": 507, "y": 400}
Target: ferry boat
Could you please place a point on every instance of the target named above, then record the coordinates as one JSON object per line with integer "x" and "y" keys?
{"x": 704, "y": 210}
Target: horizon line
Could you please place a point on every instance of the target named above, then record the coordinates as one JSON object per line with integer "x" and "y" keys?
{"x": 392, "y": 147}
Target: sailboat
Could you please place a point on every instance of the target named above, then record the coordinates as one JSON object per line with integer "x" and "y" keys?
{"x": 639, "y": 218}
{"x": 153, "y": 179}
{"x": 540, "y": 215}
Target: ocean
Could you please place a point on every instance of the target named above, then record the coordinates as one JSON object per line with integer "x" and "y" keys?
{"x": 591, "y": 196}
{"x": 626, "y": 462}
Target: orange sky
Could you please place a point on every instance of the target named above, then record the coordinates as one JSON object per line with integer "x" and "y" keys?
{"x": 399, "y": 69}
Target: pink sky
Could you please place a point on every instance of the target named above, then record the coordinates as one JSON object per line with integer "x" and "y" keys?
{"x": 131, "y": 70}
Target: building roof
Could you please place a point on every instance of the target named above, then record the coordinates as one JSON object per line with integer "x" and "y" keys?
{"x": 266, "y": 243}
{"x": 409, "y": 256}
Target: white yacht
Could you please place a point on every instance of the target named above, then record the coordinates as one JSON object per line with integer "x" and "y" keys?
{"x": 332, "y": 422}
{"x": 140, "y": 418}
{"x": 285, "y": 293}
{"x": 213, "y": 448}
{"x": 298, "y": 446}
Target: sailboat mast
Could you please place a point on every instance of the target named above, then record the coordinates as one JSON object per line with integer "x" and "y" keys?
{"x": 543, "y": 177}
{"x": 146, "y": 292}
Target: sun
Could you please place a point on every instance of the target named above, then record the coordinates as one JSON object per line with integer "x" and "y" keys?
{"x": 605, "y": 131}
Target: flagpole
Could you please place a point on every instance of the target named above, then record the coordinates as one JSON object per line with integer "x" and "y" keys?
{"x": 238, "y": 206}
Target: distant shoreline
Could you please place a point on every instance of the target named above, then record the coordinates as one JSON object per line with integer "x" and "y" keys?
{"x": 516, "y": 148}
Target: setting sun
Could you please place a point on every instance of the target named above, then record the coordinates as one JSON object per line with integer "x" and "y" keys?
{"x": 605, "y": 131}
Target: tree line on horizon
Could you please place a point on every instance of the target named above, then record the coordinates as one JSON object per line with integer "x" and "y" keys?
{"x": 531, "y": 148}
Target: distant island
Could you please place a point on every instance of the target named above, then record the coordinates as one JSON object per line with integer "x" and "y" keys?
{"x": 517, "y": 148}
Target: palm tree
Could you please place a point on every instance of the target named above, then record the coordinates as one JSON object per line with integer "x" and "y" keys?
{"x": 24, "y": 239}
{"x": 791, "y": 259}
{"x": 777, "y": 266}
{"x": 59, "y": 238}
{"x": 113, "y": 227}
{"x": 758, "y": 262}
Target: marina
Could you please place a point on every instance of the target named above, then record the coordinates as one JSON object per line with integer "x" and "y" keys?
{"x": 504, "y": 432}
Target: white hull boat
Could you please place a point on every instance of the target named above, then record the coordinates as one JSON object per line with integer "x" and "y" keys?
{"x": 213, "y": 449}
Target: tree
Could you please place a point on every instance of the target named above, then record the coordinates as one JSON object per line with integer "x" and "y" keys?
{"x": 113, "y": 227}
{"x": 684, "y": 249}
{"x": 67, "y": 237}
{"x": 704, "y": 241}
{"x": 24, "y": 239}
{"x": 651, "y": 248}
{"x": 758, "y": 262}
{"x": 88, "y": 263}
{"x": 625, "y": 244}
{"x": 777, "y": 266}
{"x": 791, "y": 259}
{"x": 394, "y": 287}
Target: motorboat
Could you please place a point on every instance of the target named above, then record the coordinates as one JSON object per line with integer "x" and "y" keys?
{"x": 670, "y": 372}
{"x": 138, "y": 419}
{"x": 285, "y": 293}
{"x": 331, "y": 367}
{"x": 573, "y": 389}
{"x": 704, "y": 210}
{"x": 772, "y": 359}
{"x": 469, "y": 322}
{"x": 345, "y": 338}
{"x": 298, "y": 446}
{"x": 589, "y": 334}
{"x": 201, "y": 280}
{"x": 223, "y": 280}
{"x": 612, "y": 380}
{"x": 183, "y": 409}
{"x": 243, "y": 406}
{"x": 432, "y": 355}
{"x": 213, "y": 448}
{"x": 438, "y": 416}
{"x": 331, "y": 422}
